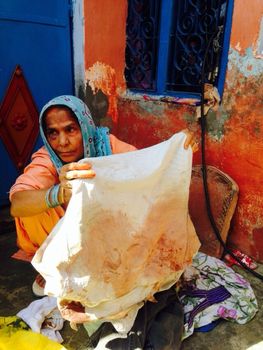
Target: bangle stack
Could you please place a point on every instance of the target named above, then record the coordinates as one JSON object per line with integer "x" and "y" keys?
{"x": 51, "y": 197}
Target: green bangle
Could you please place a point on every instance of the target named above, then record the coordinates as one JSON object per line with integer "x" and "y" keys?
{"x": 51, "y": 197}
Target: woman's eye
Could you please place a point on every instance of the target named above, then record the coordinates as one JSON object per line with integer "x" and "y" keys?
{"x": 51, "y": 133}
{"x": 71, "y": 129}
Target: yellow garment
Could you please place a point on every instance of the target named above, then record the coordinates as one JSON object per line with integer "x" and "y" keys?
{"x": 16, "y": 335}
{"x": 33, "y": 230}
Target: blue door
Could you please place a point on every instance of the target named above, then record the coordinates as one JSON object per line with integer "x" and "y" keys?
{"x": 36, "y": 35}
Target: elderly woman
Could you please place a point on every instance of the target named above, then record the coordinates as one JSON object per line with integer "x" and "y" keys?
{"x": 41, "y": 194}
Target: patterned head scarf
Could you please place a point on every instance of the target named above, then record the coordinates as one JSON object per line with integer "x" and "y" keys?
{"x": 96, "y": 140}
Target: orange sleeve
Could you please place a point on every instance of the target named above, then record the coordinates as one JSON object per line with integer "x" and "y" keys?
{"x": 39, "y": 174}
{"x": 118, "y": 146}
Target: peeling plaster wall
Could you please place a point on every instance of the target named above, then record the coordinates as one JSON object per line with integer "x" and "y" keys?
{"x": 241, "y": 147}
{"x": 235, "y": 131}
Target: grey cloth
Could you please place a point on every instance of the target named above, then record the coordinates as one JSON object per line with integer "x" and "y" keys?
{"x": 158, "y": 326}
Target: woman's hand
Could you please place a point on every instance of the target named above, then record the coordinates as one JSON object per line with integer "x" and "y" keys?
{"x": 190, "y": 140}
{"x": 70, "y": 172}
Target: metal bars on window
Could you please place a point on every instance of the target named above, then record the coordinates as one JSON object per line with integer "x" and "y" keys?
{"x": 193, "y": 24}
{"x": 142, "y": 32}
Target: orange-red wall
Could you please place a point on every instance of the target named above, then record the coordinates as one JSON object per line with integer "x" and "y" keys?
{"x": 105, "y": 45}
{"x": 235, "y": 131}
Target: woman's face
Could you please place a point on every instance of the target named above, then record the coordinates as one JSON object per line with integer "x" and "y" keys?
{"x": 63, "y": 134}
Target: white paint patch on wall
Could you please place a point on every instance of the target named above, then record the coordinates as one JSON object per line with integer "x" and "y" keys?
{"x": 248, "y": 64}
{"x": 78, "y": 44}
{"x": 259, "y": 51}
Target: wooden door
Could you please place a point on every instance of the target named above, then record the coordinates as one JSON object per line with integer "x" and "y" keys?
{"x": 35, "y": 35}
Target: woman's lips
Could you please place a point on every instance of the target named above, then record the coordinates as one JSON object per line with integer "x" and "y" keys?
{"x": 66, "y": 154}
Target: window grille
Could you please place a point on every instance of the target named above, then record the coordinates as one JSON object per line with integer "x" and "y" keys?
{"x": 166, "y": 41}
{"x": 142, "y": 44}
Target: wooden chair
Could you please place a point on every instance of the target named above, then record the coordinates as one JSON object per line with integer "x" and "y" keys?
{"x": 223, "y": 192}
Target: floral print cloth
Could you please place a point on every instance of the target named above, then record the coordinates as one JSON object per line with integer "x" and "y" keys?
{"x": 211, "y": 290}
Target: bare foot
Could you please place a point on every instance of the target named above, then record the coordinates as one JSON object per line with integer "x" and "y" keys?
{"x": 38, "y": 286}
{"x": 40, "y": 281}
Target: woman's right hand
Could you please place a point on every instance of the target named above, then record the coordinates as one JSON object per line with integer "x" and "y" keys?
{"x": 70, "y": 172}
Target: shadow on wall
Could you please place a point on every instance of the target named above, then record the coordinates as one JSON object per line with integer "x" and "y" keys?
{"x": 98, "y": 104}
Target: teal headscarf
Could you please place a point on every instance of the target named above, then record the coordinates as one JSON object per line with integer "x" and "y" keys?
{"x": 96, "y": 140}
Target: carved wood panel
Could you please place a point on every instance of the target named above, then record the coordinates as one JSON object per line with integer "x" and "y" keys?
{"x": 18, "y": 120}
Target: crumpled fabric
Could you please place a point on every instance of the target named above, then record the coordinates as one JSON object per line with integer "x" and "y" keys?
{"x": 209, "y": 273}
{"x": 126, "y": 235}
{"x": 15, "y": 334}
{"x": 43, "y": 317}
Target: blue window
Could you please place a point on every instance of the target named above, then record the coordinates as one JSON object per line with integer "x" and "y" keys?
{"x": 167, "y": 41}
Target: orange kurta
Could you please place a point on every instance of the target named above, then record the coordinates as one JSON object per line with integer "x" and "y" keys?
{"x": 41, "y": 174}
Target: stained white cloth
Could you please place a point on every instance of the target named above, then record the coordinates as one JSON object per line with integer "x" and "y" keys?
{"x": 40, "y": 311}
{"x": 126, "y": 233}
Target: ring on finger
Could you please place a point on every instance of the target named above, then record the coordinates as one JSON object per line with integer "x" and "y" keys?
{"x": 67, "y": 185}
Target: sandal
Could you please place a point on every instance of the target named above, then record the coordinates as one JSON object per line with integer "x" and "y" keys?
{"x": 37, "y": 289}
{"x": 249, "y": 262}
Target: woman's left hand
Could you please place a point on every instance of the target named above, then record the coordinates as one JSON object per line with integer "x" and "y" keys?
{"x": 190, "y": 140}
{"x": 70, "y": 172}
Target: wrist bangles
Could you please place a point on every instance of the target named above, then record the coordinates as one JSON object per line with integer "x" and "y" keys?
{"x": 51, "y": 197}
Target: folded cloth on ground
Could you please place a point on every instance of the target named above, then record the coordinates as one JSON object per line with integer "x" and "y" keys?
{"x": 43, "y": 317}
{"x": 126, "y": 235}
{"x": 214, "y": 291}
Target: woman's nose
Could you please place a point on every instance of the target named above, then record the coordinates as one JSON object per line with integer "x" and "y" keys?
{"x": 63, "y": 139}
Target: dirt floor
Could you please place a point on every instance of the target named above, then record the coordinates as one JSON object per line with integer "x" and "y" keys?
{"x": 16, "y": 278}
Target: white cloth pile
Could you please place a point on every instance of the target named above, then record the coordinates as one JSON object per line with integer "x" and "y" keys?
{"x": 126, "y": 234}
{"x": 43, "y": 317}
